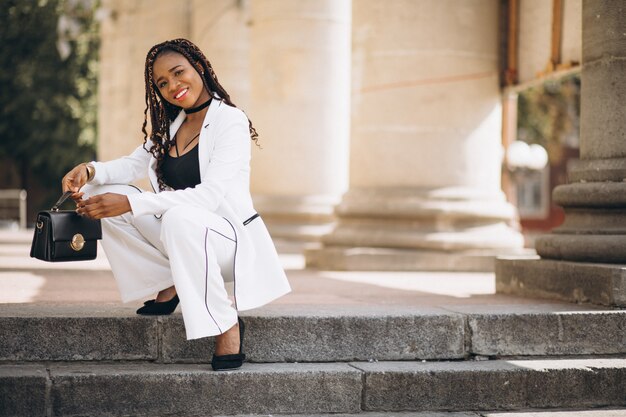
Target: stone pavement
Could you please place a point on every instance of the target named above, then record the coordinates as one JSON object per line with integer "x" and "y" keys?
{"x": 28, "y": 280}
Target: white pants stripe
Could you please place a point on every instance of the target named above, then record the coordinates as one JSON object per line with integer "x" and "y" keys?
{"x": 189, "y": 247}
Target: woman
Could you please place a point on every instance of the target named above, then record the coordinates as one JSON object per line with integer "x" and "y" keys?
{"x": 199, "y": 227}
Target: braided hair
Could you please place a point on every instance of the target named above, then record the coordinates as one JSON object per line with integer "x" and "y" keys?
{"x": 162, "y": 113}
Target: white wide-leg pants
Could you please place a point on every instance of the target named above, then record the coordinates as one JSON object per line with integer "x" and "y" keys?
{"x": 188, "y": 247}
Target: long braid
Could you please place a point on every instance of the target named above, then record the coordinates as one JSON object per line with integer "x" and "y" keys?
{"x": 162, "y": 113}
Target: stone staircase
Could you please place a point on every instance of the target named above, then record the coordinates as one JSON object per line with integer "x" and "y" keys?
{"x": 468, "y": 360}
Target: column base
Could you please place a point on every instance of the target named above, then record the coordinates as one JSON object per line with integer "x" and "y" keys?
{"x": 603, "y": 284}
{"x": 594, "y": 229}
{"x": 386, "y": 259}
{"x": 299, "y": 219}
{"x": 413, "y": 229}
{"x": 583, "y": 248}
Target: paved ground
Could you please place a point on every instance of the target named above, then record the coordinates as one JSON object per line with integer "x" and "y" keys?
{"x": 27, "y": 280}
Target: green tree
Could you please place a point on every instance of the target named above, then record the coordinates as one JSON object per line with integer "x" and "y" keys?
{"x": 48, "y": 102}
{"x": 549, "y": 114}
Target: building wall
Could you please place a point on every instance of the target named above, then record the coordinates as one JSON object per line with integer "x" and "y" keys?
{"x": 131, "y": 28}
{"x": 535, "y": 35}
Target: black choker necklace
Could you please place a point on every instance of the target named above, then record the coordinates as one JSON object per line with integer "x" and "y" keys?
{"x": 200, "y": 107}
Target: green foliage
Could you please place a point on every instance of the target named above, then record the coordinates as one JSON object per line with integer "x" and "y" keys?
{"x": 48, "y": 103}
{"x": 550, "y": 114}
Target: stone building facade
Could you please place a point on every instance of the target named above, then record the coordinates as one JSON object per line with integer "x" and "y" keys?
{"x": 380, "y": 122}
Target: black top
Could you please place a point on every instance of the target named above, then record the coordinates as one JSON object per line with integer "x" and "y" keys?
{"x": 183, "y": 171}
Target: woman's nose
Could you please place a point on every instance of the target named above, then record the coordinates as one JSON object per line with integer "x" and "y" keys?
{"x": 174, "y": 85}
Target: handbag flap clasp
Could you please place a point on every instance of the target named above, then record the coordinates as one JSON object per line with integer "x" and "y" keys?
{"x": 65, "y": 224}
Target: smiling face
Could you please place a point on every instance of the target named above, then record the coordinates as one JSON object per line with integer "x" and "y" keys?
{"x": 178, "y": 81}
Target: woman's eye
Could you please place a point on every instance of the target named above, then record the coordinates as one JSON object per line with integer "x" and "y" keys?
{"x": 178, "y": 72}
{"x": 161, "y": 85}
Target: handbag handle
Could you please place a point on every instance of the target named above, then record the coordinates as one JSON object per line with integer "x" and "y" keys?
{"x": 61, "y": 200}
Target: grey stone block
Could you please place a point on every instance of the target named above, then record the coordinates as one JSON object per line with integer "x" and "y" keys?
{"x": 561, "y": 413}
{"x": 150, "y": 389}
{"x": 583, "y": 383}
{"x": 602, "y": 124}
{"x": 551, "y": 332}
{"x": 604, "y": 194}
{"x": 384, "y": 414}
{"x": 316, "y": 335}
{"x": 596, "y": 248}
{"x": 599, "y": 222}
{"x": 596, "y": 170}
{"x": 175, "y": 348}
{"x": 347, "y": 338}
{"x": 494, "y": 385}
{"x": 23, "y": 390}
{"x": 602, "y": 284}
{"x": 340, "y": 258}
{"x": 604, "y": 412}
{"x": 78, "y": 338}
{"x": 395, "y": 386}
{"x": 603, "y": 29}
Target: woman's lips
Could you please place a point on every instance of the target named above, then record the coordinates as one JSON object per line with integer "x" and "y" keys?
{"x": 180, "y": 95}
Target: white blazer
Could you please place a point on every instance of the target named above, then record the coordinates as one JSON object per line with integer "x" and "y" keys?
{"x": 224, "y": 150}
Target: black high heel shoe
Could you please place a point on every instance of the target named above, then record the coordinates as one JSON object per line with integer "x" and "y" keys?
{"x": 154, "y": 308}
{"x": 233, "y": 361}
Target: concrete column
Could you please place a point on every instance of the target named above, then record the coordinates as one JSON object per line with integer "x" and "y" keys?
{"x": 425, "y": 156}
{"x": 595, "y": 198}
{"x": 300, "y": 77}
{"x": 130, "y": 29}
{"x": 220, "y": 29}
{"x": 535, "y": 38}
{"x": 583, "y": 259}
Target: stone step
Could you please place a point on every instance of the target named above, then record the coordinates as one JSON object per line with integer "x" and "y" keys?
{"x": 603, "y": 412}
{"x": 190, "y": 390}
{"x": 560, "y": 413}
{"x": 493, "y": 385}
{"x": 315, "y": 334}
{"x": 586, "y": 282}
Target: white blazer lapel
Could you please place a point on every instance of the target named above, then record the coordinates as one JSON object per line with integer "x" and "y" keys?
{"x": 177, "y": 122}
{"x": 207, "y": 136}
{"x": 205, "y": 141}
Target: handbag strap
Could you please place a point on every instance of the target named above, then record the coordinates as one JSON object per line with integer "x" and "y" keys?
{"x": 61, "y": 200}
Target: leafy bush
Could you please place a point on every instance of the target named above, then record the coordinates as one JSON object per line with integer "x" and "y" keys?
{"x": 48, "y": 101}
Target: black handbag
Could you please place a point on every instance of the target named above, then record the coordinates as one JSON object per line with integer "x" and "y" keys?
{"x": 64, "y": 235}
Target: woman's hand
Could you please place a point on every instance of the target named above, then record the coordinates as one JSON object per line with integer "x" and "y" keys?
{"x": 103, "y": 205}
{"x": 74, "y": 181}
